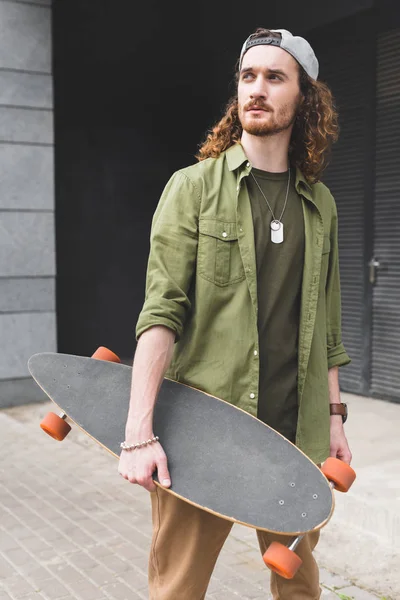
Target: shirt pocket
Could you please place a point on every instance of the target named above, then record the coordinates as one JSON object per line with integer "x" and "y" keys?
{"x": 219, "y": 259}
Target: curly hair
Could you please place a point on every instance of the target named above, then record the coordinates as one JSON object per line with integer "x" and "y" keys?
{"x": 315, "y": 129}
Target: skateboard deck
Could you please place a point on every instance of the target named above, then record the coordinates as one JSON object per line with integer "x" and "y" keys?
{"x": 220, "y": 458}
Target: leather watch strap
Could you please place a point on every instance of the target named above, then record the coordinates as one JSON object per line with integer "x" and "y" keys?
{"x": 339, "y": 409}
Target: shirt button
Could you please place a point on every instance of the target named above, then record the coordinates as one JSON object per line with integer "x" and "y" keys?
{"x": 224, "y": 234}
{"x": 247, "y": 164}
{"x": 240, "y": 229}
{"x": 238, "y": 187}
{"x": 252, "y": 395}
{"x": 255, "y": 352}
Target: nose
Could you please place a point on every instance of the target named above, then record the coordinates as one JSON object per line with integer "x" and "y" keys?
{"x": 258, "y": 90}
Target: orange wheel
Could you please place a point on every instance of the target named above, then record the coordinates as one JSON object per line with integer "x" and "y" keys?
{"x": 339, "y": 472}
{"x": 281, "y": 560}
{"x": 55, "y": 426}
{"x": 103, "y": 353}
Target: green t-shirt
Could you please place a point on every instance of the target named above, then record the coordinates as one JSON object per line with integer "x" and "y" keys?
{"x": 279, "y": 277}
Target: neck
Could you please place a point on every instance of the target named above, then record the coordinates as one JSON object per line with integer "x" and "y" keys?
{"x": 268, "y": 153}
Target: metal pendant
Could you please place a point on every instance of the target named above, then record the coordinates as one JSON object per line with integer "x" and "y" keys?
{"x": 276, "y": 231}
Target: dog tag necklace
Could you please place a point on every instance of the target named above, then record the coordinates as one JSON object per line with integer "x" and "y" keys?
{"x": 276, "y": 225}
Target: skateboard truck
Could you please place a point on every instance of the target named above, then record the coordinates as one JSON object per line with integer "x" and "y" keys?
{"x": 282, "y": 559}
{"x": 56, "y": 426}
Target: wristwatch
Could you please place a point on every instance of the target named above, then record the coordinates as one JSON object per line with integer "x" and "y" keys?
{"x": 339, "y": 409}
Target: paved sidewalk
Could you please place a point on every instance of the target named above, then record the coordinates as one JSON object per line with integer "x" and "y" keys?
{"x": 71, "y": 528}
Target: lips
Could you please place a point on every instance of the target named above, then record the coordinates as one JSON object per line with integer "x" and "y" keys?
{"x": 257, "y": 108}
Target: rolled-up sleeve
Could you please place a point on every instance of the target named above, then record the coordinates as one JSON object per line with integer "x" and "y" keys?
{"x": 172, "y": 257}
{"x": 337, "y": 355}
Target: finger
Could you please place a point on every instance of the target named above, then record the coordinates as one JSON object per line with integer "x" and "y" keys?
{"x": 163, "y": 474}
{"x": 347, "y": 457}
{"x": 148, "y": 484}
{"x": 151, "y": 487}
{"x": 121, "y": 471}
{"x": 145, "y": 480}
{"x": 344, "y": 455}
{"x": 129, "y": 476}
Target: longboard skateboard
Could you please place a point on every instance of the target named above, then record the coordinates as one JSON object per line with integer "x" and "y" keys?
{"x": 221, "y": 459}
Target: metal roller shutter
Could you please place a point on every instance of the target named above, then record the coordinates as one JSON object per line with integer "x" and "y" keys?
{"x": 385, "y": 375}
{"x": 342, "y": 50}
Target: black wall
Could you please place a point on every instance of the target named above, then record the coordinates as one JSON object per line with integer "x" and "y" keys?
{"x": 311, "y": 14}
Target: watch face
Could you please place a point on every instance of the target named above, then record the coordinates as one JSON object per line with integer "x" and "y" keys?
{"x": 345, "y": 412}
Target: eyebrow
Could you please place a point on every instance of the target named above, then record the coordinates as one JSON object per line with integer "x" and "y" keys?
{"x": 267, "y": 70}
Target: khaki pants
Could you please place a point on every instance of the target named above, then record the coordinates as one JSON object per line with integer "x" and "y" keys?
{"x": 186, "y": 544}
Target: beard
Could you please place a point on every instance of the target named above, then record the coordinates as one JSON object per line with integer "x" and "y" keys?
{"x": 278, "y": 120}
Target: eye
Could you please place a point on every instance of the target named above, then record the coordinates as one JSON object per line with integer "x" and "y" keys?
{"x": 247, "y": 76}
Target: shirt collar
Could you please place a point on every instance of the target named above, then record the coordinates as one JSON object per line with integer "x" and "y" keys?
{"x": 302, "y": 185}
{"x": 235, "y": 157}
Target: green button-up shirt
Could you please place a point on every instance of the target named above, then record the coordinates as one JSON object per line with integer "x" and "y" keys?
{"x": 202, "y": 283}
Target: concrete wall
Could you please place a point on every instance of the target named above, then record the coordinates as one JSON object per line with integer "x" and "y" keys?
{"x": 27, "y": 248}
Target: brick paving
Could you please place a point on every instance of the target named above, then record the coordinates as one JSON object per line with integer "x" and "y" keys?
{"x": 71, "y": 528}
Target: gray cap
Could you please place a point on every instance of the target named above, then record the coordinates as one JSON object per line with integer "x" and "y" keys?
{"x": 297, "y": 46}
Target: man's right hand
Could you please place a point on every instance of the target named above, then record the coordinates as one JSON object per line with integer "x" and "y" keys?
{"x": 138, "y": 466}
{"x": 152, "y": 358}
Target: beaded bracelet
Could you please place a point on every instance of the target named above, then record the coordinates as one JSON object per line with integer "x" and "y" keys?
{"x": 126, "y": 446}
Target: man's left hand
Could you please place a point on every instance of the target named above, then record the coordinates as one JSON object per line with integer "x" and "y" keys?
{"x": 339, "y": 445}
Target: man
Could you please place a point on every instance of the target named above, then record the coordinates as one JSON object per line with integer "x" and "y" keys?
{"x": 243, "y": 299}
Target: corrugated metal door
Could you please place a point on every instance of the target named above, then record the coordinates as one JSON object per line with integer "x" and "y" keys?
{"x": 343, "y": 50}
{"x": 385, "y": 372}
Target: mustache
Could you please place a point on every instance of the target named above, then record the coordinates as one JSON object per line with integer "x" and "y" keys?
{"x": 257, "y": 104}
